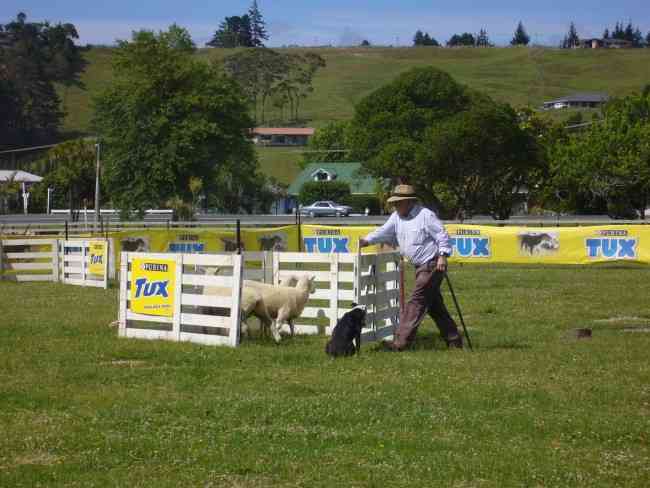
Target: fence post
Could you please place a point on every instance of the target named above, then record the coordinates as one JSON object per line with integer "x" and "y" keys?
{"x": 238, "y": 236}
{"x": 55, "y": 261}
{"x": 334, "y": 290}
{"x": 84, "y": 267}
{"x": 235, "y": 312}
{"x": 2, "y": 265}
{"x": 178, "y": 296}
{"x": 123, "y": 296}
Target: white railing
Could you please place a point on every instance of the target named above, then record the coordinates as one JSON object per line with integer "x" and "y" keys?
{"x": 29, "y": 260}
{"x": 192, "y": 316}
{"x": 84, "y": 262}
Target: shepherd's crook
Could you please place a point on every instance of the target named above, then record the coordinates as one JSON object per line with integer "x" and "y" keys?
{"x": 460, "y": 314}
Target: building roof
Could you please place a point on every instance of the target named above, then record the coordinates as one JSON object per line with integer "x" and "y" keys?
{"x": 348, "y": 172}
{"x": 597, "y": 97}
{"x": 18, "y": 176}
{"x": 283, "y": 131}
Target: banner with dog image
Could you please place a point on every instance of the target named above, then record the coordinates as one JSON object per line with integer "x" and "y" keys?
{"x": 552, "y": 245}
{"x": 279, "y": 239}
{"x": 152, "y": 286}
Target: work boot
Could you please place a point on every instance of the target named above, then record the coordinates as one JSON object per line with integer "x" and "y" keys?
{"x": 454, "y": 341}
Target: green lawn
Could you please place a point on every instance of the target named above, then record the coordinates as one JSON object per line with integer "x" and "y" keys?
{"x": 280, "y": 162}
{"x": 530, "y": 407}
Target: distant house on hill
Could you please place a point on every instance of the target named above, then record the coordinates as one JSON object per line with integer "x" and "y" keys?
{"x": 577, "y": 100}
{"x": 598, "y": 43}
{"x": 282, "y": 136}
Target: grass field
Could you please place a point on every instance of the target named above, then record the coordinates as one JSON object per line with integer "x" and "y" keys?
{"x": 530, "y": 407}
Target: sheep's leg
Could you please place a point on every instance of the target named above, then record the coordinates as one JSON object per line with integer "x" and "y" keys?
{"x": 291, "y": 327}
{"x": 275, "y": 330}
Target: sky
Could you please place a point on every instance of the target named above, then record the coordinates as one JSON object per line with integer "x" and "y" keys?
{"x": 338, "y": 22}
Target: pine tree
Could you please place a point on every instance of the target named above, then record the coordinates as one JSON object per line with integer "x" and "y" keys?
{"x": 647, "y": 40}
{"x": 426, "y": 41}
{"x": 483, "y": 40}
{"x": 606, "y": 34}
{"x": 571, "y": 40}
{"x": 418, "y": 38}
{"x": 520, "y": 38}
{"x": 258, "y": 26}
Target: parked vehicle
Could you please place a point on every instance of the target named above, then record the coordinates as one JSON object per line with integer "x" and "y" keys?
{"x": 325, "y": 208}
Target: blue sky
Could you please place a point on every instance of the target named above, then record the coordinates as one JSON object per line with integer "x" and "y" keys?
{"x": 338, "y": 22}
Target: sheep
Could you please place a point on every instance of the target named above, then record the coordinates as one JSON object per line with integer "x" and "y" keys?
{"x": 252, "y": 292}
{"x": 283, "y": 304}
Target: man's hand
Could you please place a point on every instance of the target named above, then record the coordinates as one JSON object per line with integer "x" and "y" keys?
{"x": 441, "y": 265}
{"x": 363, "y": 243}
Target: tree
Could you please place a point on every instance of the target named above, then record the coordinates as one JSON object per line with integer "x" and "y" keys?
{"x": 482, "y": 40}
{"x": 606, "y": 34}
{"x": 312, "y": 191}
{"x": 234, "y": 31}
{"x": 520, "y": 38}
{"x": 179, "y": 38}
{"x": 328, "y": 144}
{"x": 418, "y": 38}
{"x": 426, "y": 129}
{"x": 38, "y": 56}
{"x": 465, "y": 39}
{"x": 69, "y": 168}
{"x": 647, "y": 40}
{"x": 8, "y": 189}
{"x": 365, "y": 43}
{"x": 571, "y": 40}
{"x": 609, "y": 163}
{"x": 257, "y": 26}
{"x": 166, "y": 118}
{"x": 264, "y": 73}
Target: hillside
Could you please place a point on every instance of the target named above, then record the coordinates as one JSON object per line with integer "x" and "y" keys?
{"x": 519, "y": 76}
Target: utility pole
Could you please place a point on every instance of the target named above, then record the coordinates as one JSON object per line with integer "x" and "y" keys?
{"x": 97, "y": 172}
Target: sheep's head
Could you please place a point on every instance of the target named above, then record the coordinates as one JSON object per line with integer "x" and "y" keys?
{"x": 307, "y": 282}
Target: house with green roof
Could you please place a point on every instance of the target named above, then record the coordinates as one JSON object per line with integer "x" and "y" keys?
{"x": 349, "y": 172}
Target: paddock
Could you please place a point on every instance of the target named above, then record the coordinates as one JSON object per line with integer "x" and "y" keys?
{"x": 341, "y": 279}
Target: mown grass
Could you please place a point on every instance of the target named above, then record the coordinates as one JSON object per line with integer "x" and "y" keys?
{"x": 529, "y": 407}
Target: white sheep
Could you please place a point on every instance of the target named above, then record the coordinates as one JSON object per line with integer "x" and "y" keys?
{"x": 283, "y": 304}
{"x": 252, "y": 297}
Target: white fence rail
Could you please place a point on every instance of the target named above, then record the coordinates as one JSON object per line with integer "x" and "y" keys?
{"x": 29, "y": 260}
{"x": 56, "y": 260}
{"x": 372, "y": 280}
{"x": 82, "y": 264}
{"x": 193, "y": 316}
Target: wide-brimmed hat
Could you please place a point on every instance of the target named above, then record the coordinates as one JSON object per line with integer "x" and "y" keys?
{"x": 402, "y": 192}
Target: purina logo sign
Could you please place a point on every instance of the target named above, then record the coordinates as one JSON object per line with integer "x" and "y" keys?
{"x": 612, "y": 244}
{"x": 469, "y": 243}
{"x": 152, "y": 286}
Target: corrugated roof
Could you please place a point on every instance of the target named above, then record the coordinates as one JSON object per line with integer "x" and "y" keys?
{"x": 283, "y": 131}
{"x": 582, "y": 97}
{"x": 347, "y": 172}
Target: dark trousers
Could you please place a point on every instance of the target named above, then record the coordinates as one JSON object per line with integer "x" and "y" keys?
{"x": 426, "y": 297}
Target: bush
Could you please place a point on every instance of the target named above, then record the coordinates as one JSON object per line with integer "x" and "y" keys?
{"x": 359, "y": 203}
{"x": 323, "y": 190}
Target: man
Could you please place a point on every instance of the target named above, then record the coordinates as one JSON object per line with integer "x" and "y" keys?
{"x": 423, "y": 240}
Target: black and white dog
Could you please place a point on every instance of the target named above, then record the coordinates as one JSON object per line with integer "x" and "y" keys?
{"x": 346, "y": 336}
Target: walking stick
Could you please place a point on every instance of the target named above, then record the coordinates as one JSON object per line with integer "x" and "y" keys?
{"x": 460, "y": 314}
